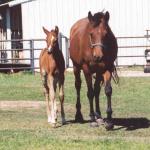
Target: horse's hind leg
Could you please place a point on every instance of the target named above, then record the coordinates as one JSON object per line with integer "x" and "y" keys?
{"x": 61, "y": 98}
{"x": 78, "y": 116}
{"x": 108, "y": 92}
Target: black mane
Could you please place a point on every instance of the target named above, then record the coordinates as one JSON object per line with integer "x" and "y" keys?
{"x": 97, "y": 18}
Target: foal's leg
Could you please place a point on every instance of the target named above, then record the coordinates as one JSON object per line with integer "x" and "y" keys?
{"x": 90, "y": 92}
{"x": 78, "y": 116}
{"x": 61, "y": 98}
{"x": 108, "y": 92}
{"x": 97, "y": 88}
{"x": 46, "y": 92}
{"x": 52, "y": 91}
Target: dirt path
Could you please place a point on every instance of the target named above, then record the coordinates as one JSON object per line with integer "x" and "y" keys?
{"x": 21, "y": 104}
{"x": 126, "y": 73}
{"x": 133, "y": 74}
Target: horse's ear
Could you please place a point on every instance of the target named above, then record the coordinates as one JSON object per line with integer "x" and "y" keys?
{"x": 107, "y": 16}
{"x": 45, "y": 31}
{"x": 56, "y": 30}
{"x": 90, "y": 17}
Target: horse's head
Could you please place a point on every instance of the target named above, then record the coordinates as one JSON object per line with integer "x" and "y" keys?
{"x": 97, "y": 32}
{"x": 51, "y": 38}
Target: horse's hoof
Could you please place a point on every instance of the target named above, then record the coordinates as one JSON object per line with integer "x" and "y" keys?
{"x": 94, "y": 124}
{"x": 100, "y": 121}
{"x": 53, "y": 125}
{"x": 49, "y": 120}
{"x": 109, "y": 125}
{"x": 63, "y": 122}
{"x": 79, "y": 118}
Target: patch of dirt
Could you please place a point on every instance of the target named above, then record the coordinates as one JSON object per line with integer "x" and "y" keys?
{"x": 21, "y": 104}
{"x": 125, "y": 73}
{"x": 133, "y": 74}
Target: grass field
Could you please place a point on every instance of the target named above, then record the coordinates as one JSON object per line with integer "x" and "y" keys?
{"x": 27, "y": 128}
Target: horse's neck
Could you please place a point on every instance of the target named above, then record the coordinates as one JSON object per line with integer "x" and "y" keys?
{"x": 56, "y": 46}
{"x": 56, "y": 50}
{"x": 57, "y": 55}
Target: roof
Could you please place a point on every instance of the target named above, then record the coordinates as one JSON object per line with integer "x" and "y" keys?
{"x": 12, "y": 3}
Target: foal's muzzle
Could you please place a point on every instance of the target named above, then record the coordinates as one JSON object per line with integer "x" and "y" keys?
{"x": 50, "y": 49}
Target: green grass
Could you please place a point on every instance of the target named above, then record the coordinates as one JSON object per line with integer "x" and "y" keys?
{"x": 27, "y": 128}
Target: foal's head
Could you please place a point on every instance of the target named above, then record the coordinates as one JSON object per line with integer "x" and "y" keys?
{"x": 51, "y": 38}
{"x": 97, "y": 32}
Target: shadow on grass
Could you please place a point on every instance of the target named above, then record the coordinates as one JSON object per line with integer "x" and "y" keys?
{"x": 131, "y": 123}
{"x": 74, "y": 122}
{"x": 127, "y": 123}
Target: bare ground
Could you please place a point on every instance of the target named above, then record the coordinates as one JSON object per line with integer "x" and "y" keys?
{"x": 21, "y": 104}
{"x": 127, "y": 73}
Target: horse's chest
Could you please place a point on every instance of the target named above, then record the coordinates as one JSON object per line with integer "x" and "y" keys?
{"x": 94, "y": 67}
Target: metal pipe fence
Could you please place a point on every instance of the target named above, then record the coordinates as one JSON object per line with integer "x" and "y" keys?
{"x": 27, "y": 56}
{"x": 131, "y": 50}
{"x": 19, "y": 58}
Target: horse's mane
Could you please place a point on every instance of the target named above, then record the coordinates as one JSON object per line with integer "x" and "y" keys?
{"x": 97, "y": 18}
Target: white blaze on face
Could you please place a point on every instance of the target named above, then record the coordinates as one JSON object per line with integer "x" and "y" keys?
{"x": 51, "y": 41}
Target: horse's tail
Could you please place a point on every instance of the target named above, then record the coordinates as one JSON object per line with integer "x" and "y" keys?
{"x": 115, "y": 75}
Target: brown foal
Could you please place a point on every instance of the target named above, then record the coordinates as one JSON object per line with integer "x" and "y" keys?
{"x": 52, "y": 67}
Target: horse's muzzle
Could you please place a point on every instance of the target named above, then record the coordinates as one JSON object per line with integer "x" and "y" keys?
{"x": 97, "y": 59}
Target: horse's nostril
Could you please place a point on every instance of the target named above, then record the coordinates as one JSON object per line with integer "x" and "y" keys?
{"x": 97, "y": 58}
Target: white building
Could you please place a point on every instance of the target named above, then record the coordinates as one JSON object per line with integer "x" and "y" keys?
{"x": 127, "y": 18}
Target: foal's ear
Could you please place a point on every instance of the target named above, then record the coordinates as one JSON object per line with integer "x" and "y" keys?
{"x": 90, "y": 17}
{"x": 107, "y": 16}
{"x": 45, "y": 31}
{"x": 56, "y": 30}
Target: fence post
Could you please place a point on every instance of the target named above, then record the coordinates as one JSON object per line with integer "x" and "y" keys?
{"x": 32, "y": 55}
{"x": 67, "y": 52}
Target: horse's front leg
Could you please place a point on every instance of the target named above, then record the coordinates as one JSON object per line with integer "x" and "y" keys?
{"x": 97, "y": 88}
{"x": 78, "y": 116}
{"x": 44, "y": 78}
{"x": 90, "y": 92}
{"x": 52, "y": 91}
{"x": 108, "y": 92}
{"x": 61, "y": 98}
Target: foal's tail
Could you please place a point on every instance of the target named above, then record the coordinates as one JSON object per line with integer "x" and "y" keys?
{"x": 115, "y": 75}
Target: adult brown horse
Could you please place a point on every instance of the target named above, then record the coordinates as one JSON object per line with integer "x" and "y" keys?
{"x": 93, "y": 48}
{"x": 52, "y": 67}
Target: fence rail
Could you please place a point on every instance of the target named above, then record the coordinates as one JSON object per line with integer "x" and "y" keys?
{"x": 27, "y": 56}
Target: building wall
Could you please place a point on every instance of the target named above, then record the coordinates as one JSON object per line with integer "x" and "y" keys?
{"x": 127, "y": 18}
